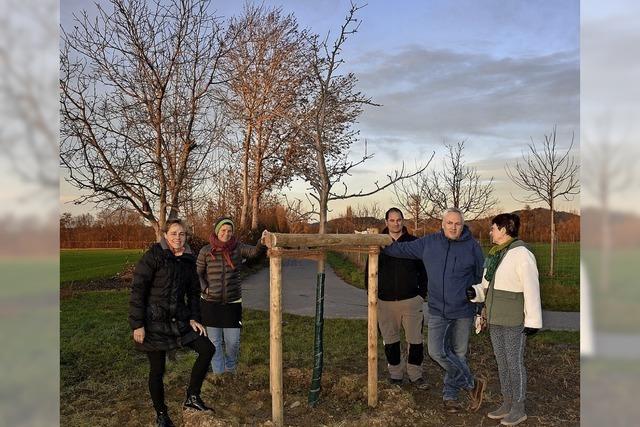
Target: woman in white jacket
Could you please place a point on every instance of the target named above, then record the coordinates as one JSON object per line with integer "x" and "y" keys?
{"x": 511, "y": 293}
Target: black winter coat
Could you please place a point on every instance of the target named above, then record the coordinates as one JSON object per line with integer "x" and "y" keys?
{"x": 399, "y": 279}
{"x": 219, "y": 282}
{"x": 164, "y": 298}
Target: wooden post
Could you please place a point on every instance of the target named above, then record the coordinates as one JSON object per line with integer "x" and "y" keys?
{"x": 372, "y": 342}
{"x": 275, "y": 337}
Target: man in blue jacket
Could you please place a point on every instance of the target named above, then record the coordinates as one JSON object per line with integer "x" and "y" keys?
{"x": 454, "y": 261}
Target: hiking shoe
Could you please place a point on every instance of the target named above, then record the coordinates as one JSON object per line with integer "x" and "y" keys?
{"x": 452, "y": 406}
{"x": 395, "y": 381}
{"x": 420, "y": 384}
{"x": 476, "y": 394}
{"x": 515, "y": 416}
{"x": 163, "y": 420}
{"x": 501, "y": 412}
{"x": 193, "y": 401}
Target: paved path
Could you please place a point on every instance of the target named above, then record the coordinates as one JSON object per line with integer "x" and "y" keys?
{"x": 340, "y": 299}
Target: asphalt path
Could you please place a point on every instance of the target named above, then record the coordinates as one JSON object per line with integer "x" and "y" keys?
{"x": 341, "y": 300}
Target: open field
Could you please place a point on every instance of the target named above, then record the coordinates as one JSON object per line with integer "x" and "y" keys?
{"x": 616, "y": 308}
{"x": 103, "y": 379}
{"x": 91, "y": 264}
{"x": 29, "y": 357}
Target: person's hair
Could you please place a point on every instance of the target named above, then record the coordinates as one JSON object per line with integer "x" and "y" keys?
{"x": 508, "y": 221}
{"x": 453, "y": 210}
{"x": 387, "y": 213}
{"x": 170, "y": 222}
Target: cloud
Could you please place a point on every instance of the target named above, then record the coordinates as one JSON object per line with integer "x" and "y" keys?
{"x": 428, "y": 95}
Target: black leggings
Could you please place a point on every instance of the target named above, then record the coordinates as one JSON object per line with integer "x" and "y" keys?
{"x": 157, "y": 360}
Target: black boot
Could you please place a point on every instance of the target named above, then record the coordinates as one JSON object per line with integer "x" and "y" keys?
{"x": 163, "y": 420}
{"x": 193, "y": 401}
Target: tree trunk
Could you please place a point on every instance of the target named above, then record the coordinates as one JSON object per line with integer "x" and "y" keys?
{"x": 158, "y": 230}
{"x": 244, "y": 210}
{"x": 553, "y": 238}
{"x": 255, "y": 204}
{"x": 605, "y": 252}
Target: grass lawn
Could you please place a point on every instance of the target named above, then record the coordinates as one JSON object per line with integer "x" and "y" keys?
{"x": 91, "y": 264}
{"x": 616, "y": 308}
{"x": 103, "y": 379}
{"x": 29, "y": 357}
{"x": 608, "y": 390}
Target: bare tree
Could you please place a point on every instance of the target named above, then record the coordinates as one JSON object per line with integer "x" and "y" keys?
{"x": 460, "y": 186}
{"x": 607, "y": 168}
{"x": 28, "y": 90}
{"x": 138, "y": 107}
{"x": 412, "y": 196}
{"x": 329, "y": 114}
{"x": 266, "y": 73}
{"x": 547, "y": 175}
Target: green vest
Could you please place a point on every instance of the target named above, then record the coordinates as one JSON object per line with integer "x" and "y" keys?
{"x": 505, "y": 308}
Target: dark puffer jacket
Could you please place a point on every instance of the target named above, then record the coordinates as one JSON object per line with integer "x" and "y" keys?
{"x": 399, "y": 279}
{"x": 164, "y": 298}
{"x": 219, "y": 282}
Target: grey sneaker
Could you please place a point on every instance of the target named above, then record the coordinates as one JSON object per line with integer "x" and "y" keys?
{"x": 515, "y": 416}
{"x": 420, "y": 384}
{"x": 501, "y": 412}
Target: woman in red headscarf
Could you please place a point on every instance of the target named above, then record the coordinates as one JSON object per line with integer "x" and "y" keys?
{"x": 221, "y": 292}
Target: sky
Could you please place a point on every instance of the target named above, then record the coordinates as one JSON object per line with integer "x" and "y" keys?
{"x": 495, "y": 74}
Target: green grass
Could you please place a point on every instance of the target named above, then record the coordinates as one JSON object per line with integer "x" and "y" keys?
{"x": 345, "y": 269}
{"x": 22, "y": 277}
{"x": 92, "y": 264}
{"x": 103, "y": 380}
{"x": 99, "y": 366}
{"x": 616, "y": 308}
{"x": 29, "y": 313}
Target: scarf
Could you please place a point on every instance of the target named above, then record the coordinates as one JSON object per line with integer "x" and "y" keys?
{"x": 224, "y": 248}
{"x": 493, "y": 258}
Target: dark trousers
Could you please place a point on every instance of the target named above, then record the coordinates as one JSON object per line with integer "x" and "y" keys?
{"x": 157, "y": 360}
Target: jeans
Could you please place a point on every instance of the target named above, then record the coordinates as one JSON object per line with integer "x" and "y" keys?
{"x": 227, "y": 343}
{"x": 447, "y": 342}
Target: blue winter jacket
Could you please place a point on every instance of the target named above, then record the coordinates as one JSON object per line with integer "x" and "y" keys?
{"x": 452, "y": 266}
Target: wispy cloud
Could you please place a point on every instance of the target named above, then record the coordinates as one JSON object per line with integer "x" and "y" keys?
{"x": 428, "y": 95}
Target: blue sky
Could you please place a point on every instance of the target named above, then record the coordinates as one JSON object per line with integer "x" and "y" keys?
{"x": 493, "y": 73}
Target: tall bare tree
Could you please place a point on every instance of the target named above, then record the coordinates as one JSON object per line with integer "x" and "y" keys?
{"x": 411, "y": 196}
{"x": 547, "y": 174}
{"x": 138, "y": 103}
{"x": 28, "y": 90}
{"x": 266, "y": 73}
{"x": 327, "y": 116}
{"x": 460, "y": 186}
{"x": 329, "y": 113}
{"x": 607, "y": 169}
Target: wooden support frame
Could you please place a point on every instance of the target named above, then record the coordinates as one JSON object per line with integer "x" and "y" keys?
{"x": 311, "y": 246}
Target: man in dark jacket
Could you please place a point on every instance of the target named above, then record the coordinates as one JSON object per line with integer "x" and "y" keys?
{"x": 402, "y": 286}
{"x": 454, "y": 261}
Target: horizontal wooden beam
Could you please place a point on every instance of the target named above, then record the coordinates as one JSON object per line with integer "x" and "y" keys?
{"x": 309, "y": 241}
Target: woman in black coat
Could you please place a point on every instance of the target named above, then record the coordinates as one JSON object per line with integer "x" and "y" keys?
{"x": 164, "y": 314}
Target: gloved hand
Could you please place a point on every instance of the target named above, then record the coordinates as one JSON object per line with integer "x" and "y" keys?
{"x": 471, "y": 293}
{"x": 530, "y": 331}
